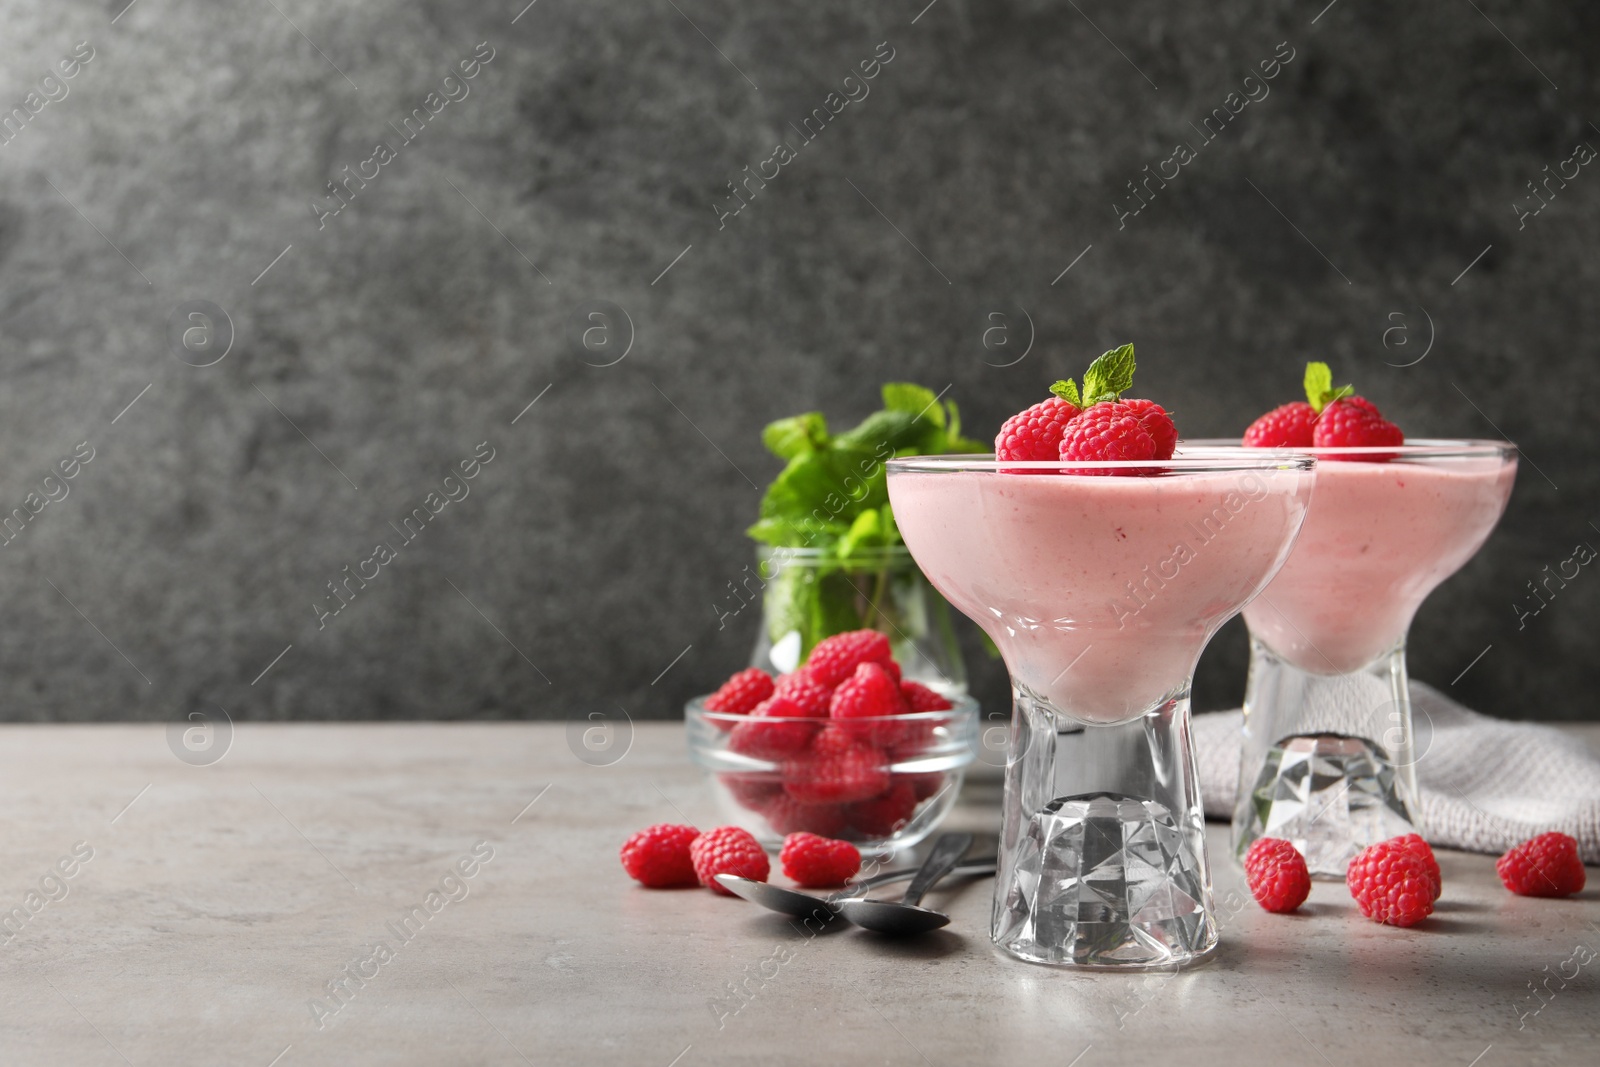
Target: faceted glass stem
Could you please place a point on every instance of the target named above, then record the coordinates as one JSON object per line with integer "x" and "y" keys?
{"x": 1102, "y": 852}
{"x": 1327, "y": 760}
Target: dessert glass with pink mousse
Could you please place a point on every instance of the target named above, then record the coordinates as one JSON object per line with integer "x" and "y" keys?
{"x": 1101, "y": 592}
{"x": 1329, "y": 755}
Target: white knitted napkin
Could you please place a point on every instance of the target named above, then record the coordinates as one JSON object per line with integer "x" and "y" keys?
{"x": 1484, "y": 784}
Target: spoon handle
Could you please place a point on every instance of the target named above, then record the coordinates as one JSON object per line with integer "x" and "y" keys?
{"x": 947, "y": 852}
{"x": 985, "y": 865}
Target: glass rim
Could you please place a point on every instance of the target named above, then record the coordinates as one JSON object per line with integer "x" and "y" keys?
{"x": 812, "y": 553}
{"x": 960, "y": 705}
{"x": 1218, "y": 455}
{"x": 1210, "y": 459}
{"x": 1412, "y": 448}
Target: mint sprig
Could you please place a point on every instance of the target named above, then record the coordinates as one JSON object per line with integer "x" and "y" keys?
{"x": 1067, "y": 390}
{"x": 832, "y": 498}
{"x": 1320, "y": 391}
{"x": 1107, "y": 378}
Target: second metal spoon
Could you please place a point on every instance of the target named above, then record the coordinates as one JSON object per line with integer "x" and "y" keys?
{"x": 905, "y": 916}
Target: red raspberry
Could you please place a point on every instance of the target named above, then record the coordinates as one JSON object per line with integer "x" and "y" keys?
{"x": 1107, "y": 431}
{"x": 804, "y": 689}
{"x": 727, "y": 850}
{"x": 1289, "y": 426}
{"x": 919, "y": 697}
{"x": 836, "y": 769}
{"x": 836, "y": 658}
{"x": 1277, "y": 874}
{"x": 1157, "y": 423}
{"x": 658, "y": 856}
{"x": 741, "y": 693}
{"x": 1391, "y": 884}
{"x": 1416, "y": 844}
{"x": 870, "y": 693}
{"x": 777, "y": 728}
{"x": 815, "y": 862}
{"x": 1353, "y": 422}
{"x": 752, "y": 791}
{"x": 786, "y": 815}
{"x": 1544, "y": 866}
{"x": 1035, "y": 434}
{"x": 924, "y": 783}
{"x": 883, "y": 815}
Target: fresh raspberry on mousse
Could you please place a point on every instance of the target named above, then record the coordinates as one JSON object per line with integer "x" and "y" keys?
{"x": 1092, "y": 424}
{"x": 1287, "y": 426}
{"x": 1035, "y": 434}
{"x": 1329, "y": 417}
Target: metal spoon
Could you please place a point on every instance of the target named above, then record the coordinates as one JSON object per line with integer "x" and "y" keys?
{"x": 904, "y": 916}
{"x": 803, "y": 905}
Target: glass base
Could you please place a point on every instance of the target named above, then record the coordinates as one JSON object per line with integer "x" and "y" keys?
{"x": 1103, "y": 859}
{"x": 1327, "y": 759}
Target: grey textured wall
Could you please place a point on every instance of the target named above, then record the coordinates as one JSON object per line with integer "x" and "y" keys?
{"x": 387, "y": 341}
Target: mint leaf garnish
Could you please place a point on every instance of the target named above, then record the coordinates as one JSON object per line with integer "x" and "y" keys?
{"x": 1109, "y": 376}
{"x": 1067, "y": 390}
{"x": 1319, "y": 386}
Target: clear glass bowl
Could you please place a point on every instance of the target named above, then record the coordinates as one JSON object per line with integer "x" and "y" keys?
{"x": 906, "y": 776}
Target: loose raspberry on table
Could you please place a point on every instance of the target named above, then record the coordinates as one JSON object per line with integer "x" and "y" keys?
{"x": 883, "y": 815}
{"x": 728, "y": 850}
{"x": 778, "y": 727}
{"x": 1277, "y": 874}
{"x": 1543, "y": 866}
{"x": 836, "y": 658}
{"x": 804, "y": 689}
{"x": 658, "y": 856}
{"x": 1416, "y": 844}
{"x": 1353, "y": 422}
{"x": 836, "y": 769}
{"x": 1157, "y": 423}
{"x": 741, "y": 693}
{"x": 1035, "y": 434}
{"x": 1288, "y": 426}
{"x": 1390, "y": 882}
{"x": 1107, "y": 431}
{"x": 786, "y": 815}
{"x": 815, "y": 862}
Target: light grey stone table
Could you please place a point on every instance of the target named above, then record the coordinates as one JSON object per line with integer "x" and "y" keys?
{"x": 176, "y": 914}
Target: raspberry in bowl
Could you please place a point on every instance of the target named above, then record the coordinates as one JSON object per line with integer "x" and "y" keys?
{"x": 846, "y": 751}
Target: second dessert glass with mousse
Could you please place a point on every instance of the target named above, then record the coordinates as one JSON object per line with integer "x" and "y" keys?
{"x": 1328, "y": 758}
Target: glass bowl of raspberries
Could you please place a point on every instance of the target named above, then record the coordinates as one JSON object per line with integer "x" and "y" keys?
{"x": 842, "y": 747}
